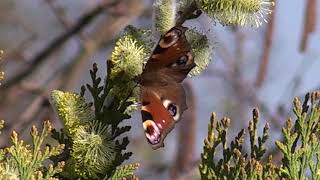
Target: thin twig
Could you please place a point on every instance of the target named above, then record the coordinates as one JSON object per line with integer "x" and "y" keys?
{"x": 17, "y": 52}
{"x": 60, "y": 15}
{"x": 186, "y": 136}
{"x": 35, "y": 108}
{"x": 309, "y": 23}
{"x": 105, "y": 33}
{"x": 263, "y": 68}
{"x": 57, "y": 42}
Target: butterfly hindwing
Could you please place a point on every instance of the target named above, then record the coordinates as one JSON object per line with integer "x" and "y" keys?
{"x": 160, "y": 110}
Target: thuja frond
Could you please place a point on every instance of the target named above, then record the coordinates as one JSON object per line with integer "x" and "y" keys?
{"x": 124, "y": 171}
{"x": 300, "y": 146}
{"x": 23, "y": 161}
{"x": 257, "y": 150}
{"x": 234, "y": 164}
{"x": 237, "y": 12}
{"x": 111, "y": 112}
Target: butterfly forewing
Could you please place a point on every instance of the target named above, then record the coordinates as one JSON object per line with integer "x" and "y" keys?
{"x": 173, "y": 56}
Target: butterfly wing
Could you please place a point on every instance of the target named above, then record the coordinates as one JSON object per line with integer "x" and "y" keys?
{"x": 161, "y": 108}
{"x": 163, "y": 97}
{"x": 172, "y": 56}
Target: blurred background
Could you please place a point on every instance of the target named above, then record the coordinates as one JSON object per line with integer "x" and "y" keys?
{"x": 51, "y": 44}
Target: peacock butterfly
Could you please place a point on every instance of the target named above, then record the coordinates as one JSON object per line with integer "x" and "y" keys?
{"x": 162, "y": 95}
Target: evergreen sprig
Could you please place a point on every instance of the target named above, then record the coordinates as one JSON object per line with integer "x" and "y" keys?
{"x": 300, "y": 147}
{"x": 22, "y": 161}
{"x": 124, "y": 171}
{"x": 234, "y": 164}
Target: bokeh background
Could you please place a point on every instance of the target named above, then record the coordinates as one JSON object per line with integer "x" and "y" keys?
{"x": 48, "y": 44}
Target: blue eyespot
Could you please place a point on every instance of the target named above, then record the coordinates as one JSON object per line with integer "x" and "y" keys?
{"x": 172, "y": 108}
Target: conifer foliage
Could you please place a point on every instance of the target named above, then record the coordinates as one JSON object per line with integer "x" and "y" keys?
{"x": 299, "y": 147}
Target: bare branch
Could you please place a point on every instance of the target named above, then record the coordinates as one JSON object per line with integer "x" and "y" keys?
{"x": 186, "y": 137}
{"x": 263, "y": 68}
{"x": 309, "y": 23}
{"x": 57, "y": 42}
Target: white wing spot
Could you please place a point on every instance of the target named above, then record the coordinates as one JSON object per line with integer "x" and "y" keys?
{"x": 166, "y": 103}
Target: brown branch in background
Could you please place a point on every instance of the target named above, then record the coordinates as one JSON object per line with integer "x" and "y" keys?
{"x": 69, "y": 75}
{"x": 106, "y": 31}
{"x": 59, "y": 14}
{"x": 33, "y": 110}
{"x": 263, "y": 67}
{"x": 17, "y": 52}
{"x": 186, "y": 136}
{"x": 309, "y": 23}
{"x": 57, "y": 42}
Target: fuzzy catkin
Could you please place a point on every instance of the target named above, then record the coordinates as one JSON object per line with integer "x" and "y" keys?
{"x": 164, "y": 15}
{"x": 237, "y": 12}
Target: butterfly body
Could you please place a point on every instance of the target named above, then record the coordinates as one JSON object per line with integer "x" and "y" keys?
{"x": 162, "y": 96}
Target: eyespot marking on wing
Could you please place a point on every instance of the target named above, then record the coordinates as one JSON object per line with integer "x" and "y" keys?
{"x": 183, "y": 60}
{"x": 172, "y": 108}
{"x": 152, "y": 132}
